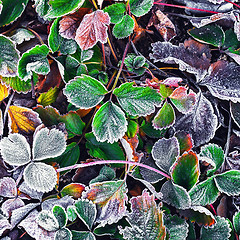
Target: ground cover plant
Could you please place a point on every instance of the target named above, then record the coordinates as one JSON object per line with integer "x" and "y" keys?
{"x": 120, "y": 119}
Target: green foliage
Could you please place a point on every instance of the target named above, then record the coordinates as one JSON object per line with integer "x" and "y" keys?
{"x": 116, "y": 12}
{"x": 124, "y": 28}
{"x": 140, "y": 7}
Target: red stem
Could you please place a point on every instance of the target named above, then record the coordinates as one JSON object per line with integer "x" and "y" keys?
{"x": 178, "y": 6}
{"x": 233, "y": 3}
{"x": 88, "y": 164}
{"x": 214, "y": 211}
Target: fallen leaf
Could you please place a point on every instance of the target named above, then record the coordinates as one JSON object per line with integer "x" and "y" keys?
{"x": 3, "y": 92}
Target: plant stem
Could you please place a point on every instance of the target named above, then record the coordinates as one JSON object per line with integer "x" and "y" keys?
{"x": 82, "y": 165}
{"x": 7, "y": 108}
{"x": 185, "y": 7}
{"x": 36, "y": 34}
{"x": 233, "y": 3}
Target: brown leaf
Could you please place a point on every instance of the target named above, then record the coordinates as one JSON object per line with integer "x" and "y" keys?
{"x": 92, "y": 29}
{"x": 163, "y": 25}
{"x": 68, "y": 24}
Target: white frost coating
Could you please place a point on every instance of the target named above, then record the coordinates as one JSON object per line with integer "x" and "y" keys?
{"x": 4, "y": 225}
{"x": 22, "y": 35}
{"x": 15, "y": 149}
{"x": 40, "y": 177}
{"x": 47, "y": 221}
{"x": 48, "y": 144}
{"x": 11, "y": 204}
{"x": 8, "y": 187}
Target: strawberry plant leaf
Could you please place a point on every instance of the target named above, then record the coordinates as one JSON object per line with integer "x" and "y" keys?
{"x": 60, "y": 214}
{"x": 200, "y": 215}
{"x": 132, "y": 129}
{"x": 41, "y": 7}
{"x": 236, "y": 222}
{"x": 85, "y": 92}
{"x": 182, "y": 101}
{"x": 82, "y": 235}
{"x": 72, "y": 216}
{"x": 15, "y": 145}
{"x": 8, "y": 187}
{"x": 63, "y": 233}
{"x": 204, "y": 193}
{"x": 115, "y": 11}
{"x": 189, "y": 163}
{"x": 165, "y": 117}
{"x": 146, "y": 219}
{"x": 184, "y": 140}
{"x": 60, "y": 8}
{"x": 137, "y": 101}
{"x": 40, "y": 176}
{"x": 103, "y": 150}
{"x": 110, "y": 198}
{"x": 9, "y": 57}
{"x": 86, "y": 211}
{"x": 124, "y": 28}
{"x": 148, "y": 129}
{"x": 228, "y": 182}
{"x": 222, "y": 81}
{"x": 92, "y": 29}
{"x": 175, "y": 195}
{"x": 4, "y": 225}
{"x": 201, "y": 122}
{"x": 109, "y": 123}
{"x": 73, "y": 189}
{"x": 105, "y": 174}
{"x": 34, "y": 61}
{"x": 214, "y": 155}
{"x": 21, "y": 34}
{"x": 165, "y": 152}
{"x": 49, "y": 97}
{"x": 3, "y": 92}
{"x": 210, "y": 34}
{"x": 48, "y": 143}
{"x": 11, "y": 11}
{"x": 46, "y": 220}
{"x": 219, "y": 231}
{"x": 11, "y": 204}
{"x": 177, "y": 227}
{"x": 235, "y": 112}
{"x": 140, "y": 7}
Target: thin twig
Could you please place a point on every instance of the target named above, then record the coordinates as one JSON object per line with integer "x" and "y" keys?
{"x": 7, "y": 107}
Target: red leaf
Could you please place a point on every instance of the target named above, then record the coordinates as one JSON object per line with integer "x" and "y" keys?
{"x": 73, "y": 189}
{"x": 92, "y": 29}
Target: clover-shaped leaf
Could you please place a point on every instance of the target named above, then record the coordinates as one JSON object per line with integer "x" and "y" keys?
{"x": 47, "y": 221}
{"x": 61, "y": 215}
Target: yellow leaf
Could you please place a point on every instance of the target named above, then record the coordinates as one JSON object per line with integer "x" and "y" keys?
{"x": 22, "y": 120}
{"x": 3, "y": 92}
{"x": 49, "y": 97}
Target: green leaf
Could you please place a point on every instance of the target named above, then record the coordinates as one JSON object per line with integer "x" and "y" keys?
{"x": 86, "y": 211}
{"x": 124, "y": 28}
{"x": 85, "y": 92}
{"x": 110, "y": 197}
{"x": 9, "y": 57}
{"x": 165, "y": 90}
{"x": 116, "y": 12}
{"x": 228, "y": 182}
{"x": 231, "y": 40}
{"x": 15, "y": 145}
{"x": 109, "y": 123}
{"x": 20, "y": 35}
{"x": 187, "y": 163}
{"x": 72, "y": 216}
{"x": 132, "y": 129}
{"x": 63, "y": 234}
{"x": 236, "y": 222}
{"x": 177, "y": 227}
{"x": 105, "y": 174}
{"x": 40, "y": 177}
{"x": 165, "y": 117}
{"x": 11, "y": 11}
{"x": 219, "y": 231}
{"x": 48, "y": 97}
{"x": 137, "y": 101}
{"x": 47, "y": 221}
{"x": 34, "y": 60}
{"x": 82, "y": 235}
{"x": 61, "y": 215}
{"x": 103, "y": 150}
{"x": 175, "y": 195}
{"x": 60, "y": 8}
{"x": 165, "y": 152}
{"x": 210, "y": 34}
{"x": 73, "y": 189}
{"x": 204, "y": 193}
{"x": 214, "y": 155}
{"x": 148, "y": 129}
{"x": 48, "y": 143}
{"x": 57, "y": 42}
{"x": 100, "y": 75}
{"x": 140, "y": 7}
{"x": 184, "y": 140}
{"x": 41, "y": 7}
{"x": 146, "y": 219}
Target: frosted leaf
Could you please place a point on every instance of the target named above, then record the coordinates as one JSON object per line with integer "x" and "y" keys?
{"x": 223, "y": 81}
{"x": 30, "y": 192}
{"x": 217, "y": 1}
{"x": 41, "y": 7}
{"x": 86, "y": 211}
{"x": 82, "y": 235}
{"x": 165, "y": 152}
{"x": 33, "y": 229}
{"x": 109, "y": 123}
{"x": 61, "y": 215}
{"x": 71, "y": 214}
{"x": 236, "y": 222}
{"x": 40, "y": 177}
{"x": 11, "y": 204}
{"x": 48, "y": 144}
{"x": 8, "y": 187}
{"x": 15, "y": 150}
{"x": 64, "y": 202}
{"x": 4, "y": 225}
{"x": 21, "y": 35}
{"x": 201, "y": 122}
{"x": 63, "y": 234}
{"x": 140, "y": 7}
{"x": 46, "y": 220}
{"x": 20, "y": 213}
